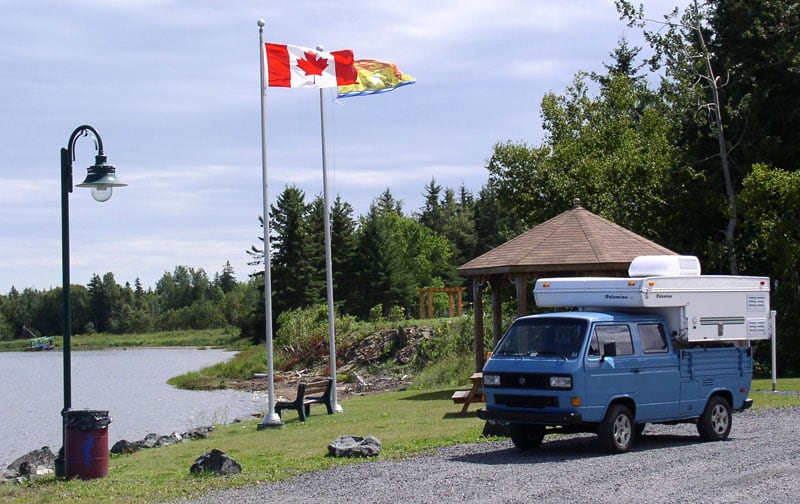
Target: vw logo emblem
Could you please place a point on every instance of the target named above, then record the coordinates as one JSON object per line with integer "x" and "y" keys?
{"x": 522, "y": 380}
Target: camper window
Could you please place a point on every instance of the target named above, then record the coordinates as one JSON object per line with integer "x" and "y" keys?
{"x": 653, "y": 338}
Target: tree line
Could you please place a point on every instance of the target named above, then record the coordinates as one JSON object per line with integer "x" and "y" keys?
{"x": 184, "y": 299}
{"x": 695, "y": 147}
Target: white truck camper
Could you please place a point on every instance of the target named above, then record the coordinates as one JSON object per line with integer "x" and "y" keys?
{"x": 699, "y": 308}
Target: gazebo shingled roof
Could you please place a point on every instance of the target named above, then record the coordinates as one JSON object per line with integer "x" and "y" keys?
{"x": 574, "y": 243}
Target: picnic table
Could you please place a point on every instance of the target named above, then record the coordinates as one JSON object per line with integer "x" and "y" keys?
{"x": 473, "y": 395}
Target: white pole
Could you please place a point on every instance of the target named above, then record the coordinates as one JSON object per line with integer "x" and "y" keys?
{"x": 772, "y": 318}
{"x": 271, "y": 419}
{"x": 328, "y": 261}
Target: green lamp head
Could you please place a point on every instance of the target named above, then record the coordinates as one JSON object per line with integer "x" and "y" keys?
{"x": 101, "y": 178}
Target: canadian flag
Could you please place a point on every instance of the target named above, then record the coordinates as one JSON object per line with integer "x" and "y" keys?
{"x": 295, "y": 66}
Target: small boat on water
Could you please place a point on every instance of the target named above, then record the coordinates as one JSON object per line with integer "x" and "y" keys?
{"x": 43, "y": 343}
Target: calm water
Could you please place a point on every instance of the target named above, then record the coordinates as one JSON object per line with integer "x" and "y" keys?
{"x": 130, "y": 384}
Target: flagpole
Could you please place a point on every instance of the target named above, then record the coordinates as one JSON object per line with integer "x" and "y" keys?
{"x": 328, "y": 261}
{"x": 271, "y": 419}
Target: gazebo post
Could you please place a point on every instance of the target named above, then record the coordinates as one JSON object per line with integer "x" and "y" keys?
{"x": 477, "y": 304}
{"x": 497, "y": 308}
{"x": 521, "y": 286}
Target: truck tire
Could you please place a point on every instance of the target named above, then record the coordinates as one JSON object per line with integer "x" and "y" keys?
{"x": 527, "y": 437}
{"x": 616, "y": 431}
{"x": 715, "y": 422}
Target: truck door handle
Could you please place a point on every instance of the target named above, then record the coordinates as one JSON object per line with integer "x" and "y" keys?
{"x": 635, "y": 370}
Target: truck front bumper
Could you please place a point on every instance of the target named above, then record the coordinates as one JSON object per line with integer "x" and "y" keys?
{"x": 531, "y": 417}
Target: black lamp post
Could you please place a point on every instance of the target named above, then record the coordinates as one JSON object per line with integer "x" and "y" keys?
{"x": 101, "y": 178}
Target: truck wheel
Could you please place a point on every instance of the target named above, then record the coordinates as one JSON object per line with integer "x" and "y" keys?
{"x": 527, "y": 437}
{"x": 715, "y": 422}
{"x": 616, "y": 431}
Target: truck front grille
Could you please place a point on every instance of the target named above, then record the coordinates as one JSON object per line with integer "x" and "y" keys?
{"x": 525, "y": 381}
{"x": 523, "y": 401}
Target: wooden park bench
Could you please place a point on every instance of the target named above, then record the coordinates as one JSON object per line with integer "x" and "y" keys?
{"x": 473, "y": 395}
{"x": 318, "y": 392}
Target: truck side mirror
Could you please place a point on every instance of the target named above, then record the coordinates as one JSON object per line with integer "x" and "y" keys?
{"x": 609, "y": 349}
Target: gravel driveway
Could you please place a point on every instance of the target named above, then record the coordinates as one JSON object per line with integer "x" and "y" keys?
{"x": 760, "y": 462}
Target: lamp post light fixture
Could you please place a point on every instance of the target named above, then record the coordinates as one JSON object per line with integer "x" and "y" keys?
{"x": 101, "y": 179}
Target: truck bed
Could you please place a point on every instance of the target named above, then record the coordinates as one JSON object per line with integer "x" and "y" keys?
{"x": 704, "y": 371}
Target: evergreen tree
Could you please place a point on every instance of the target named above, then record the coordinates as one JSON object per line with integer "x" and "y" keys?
{"x": 464, "y": 235}
{"x": 104, "y": 297}
{"x": 459, "y": 226}
{"x": 138, "y": 294}
{"x": 315, "y": 249}
{"x": 386, "y": 204}
{"x": 227, "y": 280}
{"x": 384, "y": 277}
{"x": 431, "y": 215}
{"x": 494, "y": 223}
{"x": 344, "y": 246}
{"x": 252, "y": 325}
{"x": 292, "y": 267}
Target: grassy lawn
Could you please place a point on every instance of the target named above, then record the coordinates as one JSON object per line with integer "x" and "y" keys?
{"x": 407, "y": 423}
{"x": 787, "y": 395}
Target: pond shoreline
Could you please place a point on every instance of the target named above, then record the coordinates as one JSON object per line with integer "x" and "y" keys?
{"x": 129, "y": 383}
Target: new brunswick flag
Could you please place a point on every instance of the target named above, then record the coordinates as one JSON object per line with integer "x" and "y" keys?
{"x": 374, "y": 77}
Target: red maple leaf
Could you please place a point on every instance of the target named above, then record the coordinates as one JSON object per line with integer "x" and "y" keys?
{"x": 311, "y": 64}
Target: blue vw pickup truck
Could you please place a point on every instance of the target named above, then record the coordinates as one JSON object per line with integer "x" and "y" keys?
{"x": 634, "y": 353}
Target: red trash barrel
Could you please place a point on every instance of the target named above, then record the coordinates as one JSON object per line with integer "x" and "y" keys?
{"x": 86, "y": 444}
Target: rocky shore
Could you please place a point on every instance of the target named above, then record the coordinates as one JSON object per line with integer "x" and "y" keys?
{"x": 41, "y": 462}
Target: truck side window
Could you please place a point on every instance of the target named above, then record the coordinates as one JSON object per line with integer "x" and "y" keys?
{"x": 653, "y": 338}
{"x": 619, "y": 334}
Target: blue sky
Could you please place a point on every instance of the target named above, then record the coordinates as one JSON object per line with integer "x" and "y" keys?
{"x": 173, "y": 89}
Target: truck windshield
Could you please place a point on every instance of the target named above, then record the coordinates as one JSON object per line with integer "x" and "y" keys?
{"x": 559, "y": 337}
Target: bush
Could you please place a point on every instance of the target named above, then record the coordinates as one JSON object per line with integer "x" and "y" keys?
{"x": 450, "y": 371}
{"x": 376, "y": 313}
{"x": 199, "y": 315}
{"x": 452, "y": 337}
{"x": 302, "y": 334}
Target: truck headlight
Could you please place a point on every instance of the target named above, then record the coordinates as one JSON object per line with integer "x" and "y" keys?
{"x": 491, "y": 380}
{"x": 564, "y": 382}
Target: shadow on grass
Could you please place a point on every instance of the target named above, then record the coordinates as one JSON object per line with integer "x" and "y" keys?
{"x": 444, "y": 395}
{"x": 457, "y": 414}
{"x": 430, "y": 396}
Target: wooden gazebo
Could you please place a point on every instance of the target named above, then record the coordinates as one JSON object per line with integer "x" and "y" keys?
{"x": 574, "y": 243}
